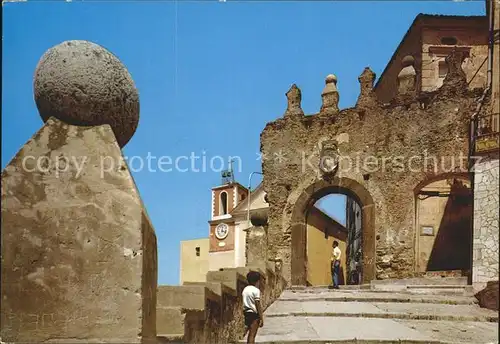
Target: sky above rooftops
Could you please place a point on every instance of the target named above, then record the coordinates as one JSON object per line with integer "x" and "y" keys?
{"x": 210, "y": 76}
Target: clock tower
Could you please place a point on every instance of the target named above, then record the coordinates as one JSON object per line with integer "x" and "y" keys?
{"x": 223, "y": 234}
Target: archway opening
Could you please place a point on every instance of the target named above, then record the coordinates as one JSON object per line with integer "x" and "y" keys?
{"x": 444, "y": 227}
{"x": 334, "y": 217}
{"x": 302, "y": 256}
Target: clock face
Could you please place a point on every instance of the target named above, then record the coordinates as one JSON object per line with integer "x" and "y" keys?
{"x": 221, "y": 231}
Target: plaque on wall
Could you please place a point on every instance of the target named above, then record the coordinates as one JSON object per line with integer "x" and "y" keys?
{"x": 427, "y": 230}
{"x": 329, "y": 157}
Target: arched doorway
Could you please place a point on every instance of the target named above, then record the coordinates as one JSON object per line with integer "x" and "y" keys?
{"x": 334, "y": 218}
{"x": 443, "y": 218}
{"x": 306, "y": 200}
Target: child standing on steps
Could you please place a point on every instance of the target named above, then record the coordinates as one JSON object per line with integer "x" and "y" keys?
{"x": 251, "y": 306}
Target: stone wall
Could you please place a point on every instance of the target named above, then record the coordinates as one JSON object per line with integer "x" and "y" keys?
{"x": 256, "y": 239}
{"x": 486, "y": 215}
{"x": 212, "y": 312}
{"x": 383, "y": 153}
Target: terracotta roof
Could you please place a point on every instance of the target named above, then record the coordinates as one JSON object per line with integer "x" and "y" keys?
{"x": 244, "y": 203}
{"x": 228, "y": 184}
{"x": 417, "y": 21}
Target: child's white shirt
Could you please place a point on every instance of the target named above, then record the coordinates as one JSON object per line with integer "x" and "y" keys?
{"x": 250, "y": 295}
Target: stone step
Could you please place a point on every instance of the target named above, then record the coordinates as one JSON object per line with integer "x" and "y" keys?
{"x": 423, "y": 281}
{"x": 385, "y": 310}
{"x": 370, "y": 296}
{"x": 404, "y": 316}
{"x": 374, "y": 330}
{"x": 341, "y": 287}
{"x": 170, "y": 338}
{"x": 445, "y": 273}
{"x": 431, "y": 289}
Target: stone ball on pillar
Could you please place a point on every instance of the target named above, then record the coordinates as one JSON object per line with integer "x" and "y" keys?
{"x": 331, "y": 79}
{"x": 408, "y": 60}
{"x": 82, "y": 83}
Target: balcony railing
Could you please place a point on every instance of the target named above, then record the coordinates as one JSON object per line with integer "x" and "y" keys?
{"x": 485, "y": 133}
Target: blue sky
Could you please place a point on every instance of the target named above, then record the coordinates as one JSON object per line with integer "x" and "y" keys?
{"x": 210, "y": 76}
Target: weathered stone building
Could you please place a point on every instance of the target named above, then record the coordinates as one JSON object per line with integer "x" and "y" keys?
{"x": 404, "y": 153}
{"x": 429, "y": 40}
{"x": 386, "y": 154}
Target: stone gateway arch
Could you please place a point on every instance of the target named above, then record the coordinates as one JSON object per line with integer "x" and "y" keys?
{"x": 378, "y": 154}
{"x": 306, "y": 199}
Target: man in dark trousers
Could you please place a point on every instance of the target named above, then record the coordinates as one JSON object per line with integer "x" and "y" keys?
{"x": 336, "y": 264}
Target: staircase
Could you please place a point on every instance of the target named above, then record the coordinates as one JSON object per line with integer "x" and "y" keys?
{"x": 400, "y": 311}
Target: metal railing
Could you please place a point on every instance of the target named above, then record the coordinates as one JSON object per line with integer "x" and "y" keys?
{"x": 486, "y": 133}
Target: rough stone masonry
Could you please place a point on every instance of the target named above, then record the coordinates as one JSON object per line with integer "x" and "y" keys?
{"x": 79, "y": 260}
{"x": 382, "y": 154}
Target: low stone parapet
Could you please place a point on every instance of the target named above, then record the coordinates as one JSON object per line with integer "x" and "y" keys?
{"x": 211, "y": 312}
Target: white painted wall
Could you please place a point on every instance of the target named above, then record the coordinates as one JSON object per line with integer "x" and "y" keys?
{"x": 219, "y": 260}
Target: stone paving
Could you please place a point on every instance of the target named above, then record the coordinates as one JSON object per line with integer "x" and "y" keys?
{"x": 345, "y": 316}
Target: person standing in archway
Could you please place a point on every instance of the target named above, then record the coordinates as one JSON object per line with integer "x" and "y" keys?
{"x": 336, "y": 253}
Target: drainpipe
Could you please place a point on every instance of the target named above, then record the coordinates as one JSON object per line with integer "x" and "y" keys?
{"x": 490, "y": 43}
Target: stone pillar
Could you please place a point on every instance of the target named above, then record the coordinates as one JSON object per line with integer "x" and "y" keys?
{"x": 79, "y": 260}
{"x": 294, "y": 97}
{"x": 256, "y": 250}
{"x": 367, "y": 96}
{"x": 330, "y": 96}
{"x": 407, "y": 77}
{"x": 455, "y": 81}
